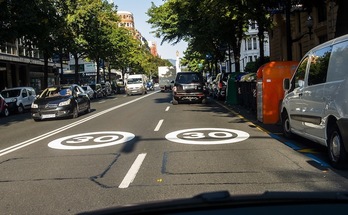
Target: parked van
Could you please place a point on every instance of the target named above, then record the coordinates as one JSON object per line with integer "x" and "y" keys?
{"x": 316, "y": 102}
{"x": 136, "y": 84}
{"x": 19, "y": 98}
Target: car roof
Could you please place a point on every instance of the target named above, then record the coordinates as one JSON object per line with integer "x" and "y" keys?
{"x": 19, "y": 88}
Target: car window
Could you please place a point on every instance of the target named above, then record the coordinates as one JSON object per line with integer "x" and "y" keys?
{"x": 339, "y": 62}
{"x": 188, "y": 78}
{"x": 318, "y": 66}
{"x": 11, "y": 93}
{"x": 299, "y": 75}
{"x": 24, "y": 93}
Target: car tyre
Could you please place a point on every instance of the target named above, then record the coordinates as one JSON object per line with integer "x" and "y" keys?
{"x": 204, "y": 101}
{"x": 20, "y": 108}
{"x": 88, "y": 110}
{"x": 337, "y": 153}
{"x": 37, "y": 120}
{"x": 286, "y": 125}
{"x": 6, "y": 112}
{"x": 75, "y": 113}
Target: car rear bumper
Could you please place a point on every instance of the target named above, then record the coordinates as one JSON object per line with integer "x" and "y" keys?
{"x": 189, "y": 96}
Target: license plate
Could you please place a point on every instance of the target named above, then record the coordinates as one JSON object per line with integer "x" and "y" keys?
{"x": 46, "y": 116}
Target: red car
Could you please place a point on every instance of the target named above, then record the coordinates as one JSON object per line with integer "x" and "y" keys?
{"x": 3, "y": 107}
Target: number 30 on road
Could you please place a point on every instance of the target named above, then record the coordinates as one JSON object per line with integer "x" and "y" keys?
{"x": 207, "y": 136}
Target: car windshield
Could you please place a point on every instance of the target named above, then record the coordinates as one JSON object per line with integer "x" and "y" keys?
{"x": 138, "y": 101}
{"x": 134, "y": 81}
{"x": 11, "y": 93}
{"x": 56, "y": 92}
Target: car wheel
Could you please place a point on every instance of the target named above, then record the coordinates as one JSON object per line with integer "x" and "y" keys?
{"x": 204, "y": 101}
{"x": 175, "y": 102}
{"x": 286, "y": 125}
{"x": 36, "y": 120}
{"x": 20, "y": 108}
{"x": 6, "y": 112}
{"x": 337, "y": 153}
{"x": 88, "y": 110}
{"x": 75, "y": 113}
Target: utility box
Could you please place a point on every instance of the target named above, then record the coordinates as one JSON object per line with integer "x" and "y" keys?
{"x": 269, "y": 89}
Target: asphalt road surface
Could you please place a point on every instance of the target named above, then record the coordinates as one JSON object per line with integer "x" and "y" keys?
{"x": 142, "y": 148}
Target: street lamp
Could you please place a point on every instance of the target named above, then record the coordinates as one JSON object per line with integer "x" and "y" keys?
{"x": 309, "y": 24}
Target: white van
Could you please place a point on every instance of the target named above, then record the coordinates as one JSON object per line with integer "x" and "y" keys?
{"x": 316, "y": 102}
{"x": 19, "y": 98}
{"x": 136, "y": 84}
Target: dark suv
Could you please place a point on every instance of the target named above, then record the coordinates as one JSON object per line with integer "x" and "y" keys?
{"x": 189, "y": 86}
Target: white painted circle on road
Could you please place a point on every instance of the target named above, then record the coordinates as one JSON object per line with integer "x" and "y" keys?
{"x": 207, "y": 136}
{"x": 91, "y": 140}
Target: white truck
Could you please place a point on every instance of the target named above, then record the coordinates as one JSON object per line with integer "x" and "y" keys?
{"x": 166, "y": 74}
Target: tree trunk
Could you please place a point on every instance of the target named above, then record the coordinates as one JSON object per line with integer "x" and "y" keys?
{"x": 45, "y": 83}
{"x": 98, "y": 66}
{"x": 261, "y": 36}
{"x": 77, "y": 68}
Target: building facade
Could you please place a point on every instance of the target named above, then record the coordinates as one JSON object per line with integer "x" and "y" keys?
{"x": 24, "y": 66}
{"x": 250, "y": 50}
{"x": 308, "y": 27}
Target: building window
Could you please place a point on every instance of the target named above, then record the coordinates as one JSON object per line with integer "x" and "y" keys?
{"x": 322, "y": 12}
{"x": 249, "y": 44}
{"x": 254, "y": 43}
{"x": 250, "y": 58}
{"x": 253, "y": 25}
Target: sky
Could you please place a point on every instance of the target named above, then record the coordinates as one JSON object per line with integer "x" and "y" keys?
{"x": 139, "y": 9}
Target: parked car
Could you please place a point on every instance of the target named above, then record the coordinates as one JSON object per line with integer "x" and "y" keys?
{"x": 19, "y": 99}
{"x": 4, "y": 111}
{"x": 60, "y": 101}
{"x": 98, "y": 91}
{"x": 106, "y": 88}
{"x": 189, "y": 86}
{"x": 220, "y": 85}
{"x": 89, "y": 91}
{"x": 315, "y": 104}
{"x": 210, "y": 85}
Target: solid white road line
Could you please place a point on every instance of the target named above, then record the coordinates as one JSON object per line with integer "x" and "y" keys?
{"x": 159, "y": 125}
{"x": 132, "y": 172}
{"x": 167, "y": 109}
{"x": 66, "y": 127}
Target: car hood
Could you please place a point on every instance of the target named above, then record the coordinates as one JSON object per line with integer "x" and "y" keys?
{"x": 53, "y": 100}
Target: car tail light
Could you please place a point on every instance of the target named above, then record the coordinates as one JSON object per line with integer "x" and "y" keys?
{"x": 220, "y": 85}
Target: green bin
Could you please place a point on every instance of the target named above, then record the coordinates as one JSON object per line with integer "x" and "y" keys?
{"x": 231, "y": 92}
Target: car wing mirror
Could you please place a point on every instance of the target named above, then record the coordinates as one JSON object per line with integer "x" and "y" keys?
{"x": 286, "y": 84}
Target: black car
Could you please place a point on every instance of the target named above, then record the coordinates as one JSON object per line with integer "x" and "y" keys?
{"x": 60, "y": 101}
{"x": 190, "y": 87}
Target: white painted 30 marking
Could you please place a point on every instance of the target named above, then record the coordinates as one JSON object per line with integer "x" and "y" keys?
{"x": 91, "y": 140}
{"x": 207, "y": 136}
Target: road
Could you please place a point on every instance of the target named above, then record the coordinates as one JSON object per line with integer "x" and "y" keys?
{"x": 142, "y": 148}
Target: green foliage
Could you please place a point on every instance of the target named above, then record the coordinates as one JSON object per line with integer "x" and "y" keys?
{"x": 252, "y": 67}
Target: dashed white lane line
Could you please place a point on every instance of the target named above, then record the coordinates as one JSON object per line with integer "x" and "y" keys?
{"x": 132, "y": 172}
{"x": 159, "y": 125}
{"x": 167, "y": 109}
{"x": 101, "y": 102}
